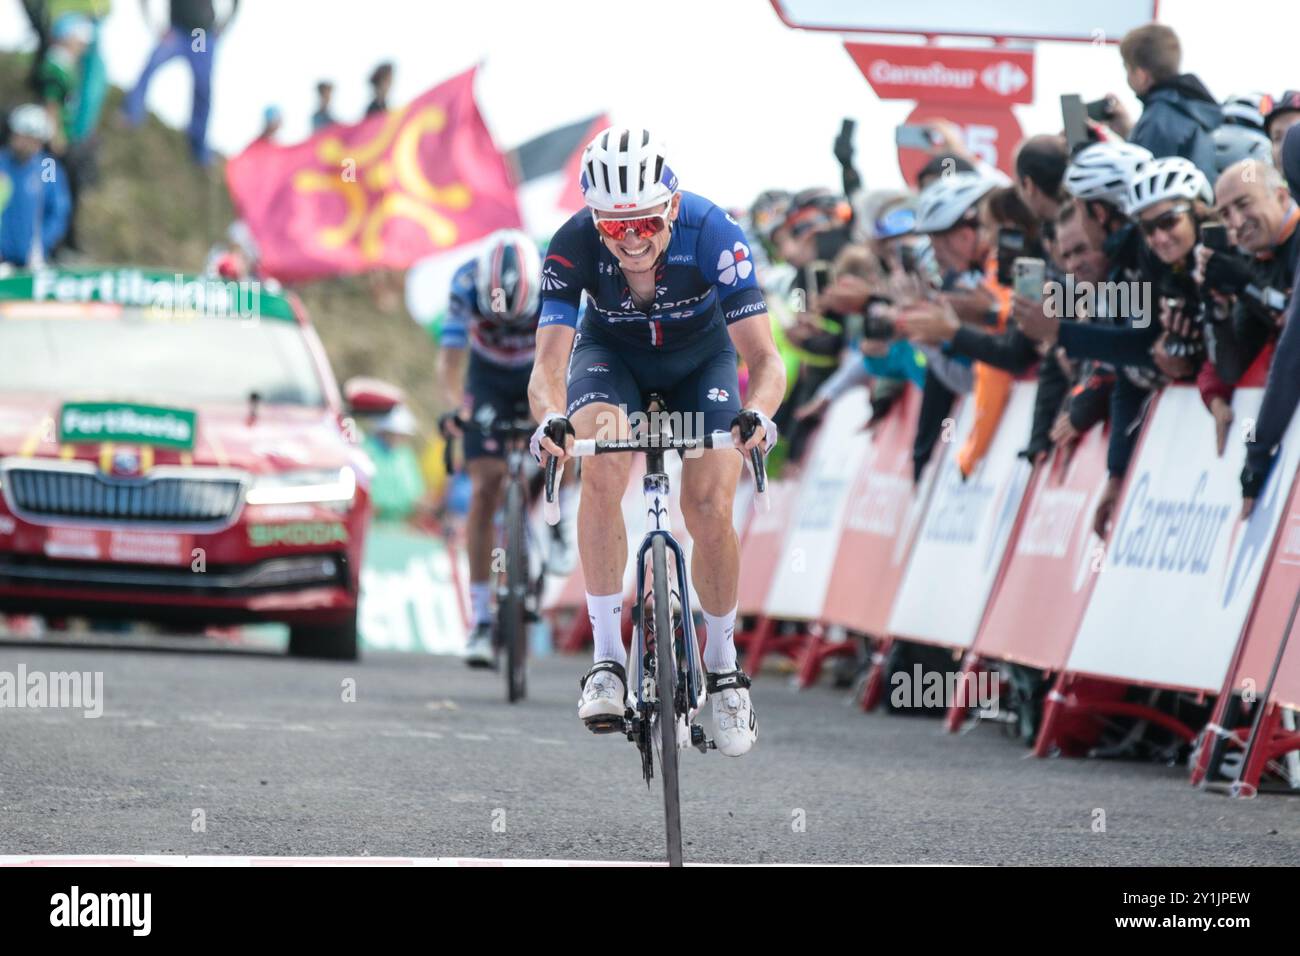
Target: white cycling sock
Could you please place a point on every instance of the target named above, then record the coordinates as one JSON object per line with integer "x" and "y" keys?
{"x": 720, "y": 643}
{"x": 480, "y": 602}
{"x": 606, "y": 614}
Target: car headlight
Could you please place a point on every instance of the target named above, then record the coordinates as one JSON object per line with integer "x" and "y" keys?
{"x": 304, "y": 486}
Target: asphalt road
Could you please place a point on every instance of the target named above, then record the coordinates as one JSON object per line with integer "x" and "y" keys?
{"x": 429, "y": 761}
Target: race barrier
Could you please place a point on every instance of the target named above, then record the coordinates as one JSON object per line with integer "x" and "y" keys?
{"x": 807, "y": 555}
{"x": 1265, "y": 673}
{"x": 1050, "y": 568}
{"x": 410, "y": 592}
{"x": 1181, "y": 570}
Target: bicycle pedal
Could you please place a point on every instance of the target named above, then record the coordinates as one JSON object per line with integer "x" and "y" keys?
{"x": 605, "y": 725}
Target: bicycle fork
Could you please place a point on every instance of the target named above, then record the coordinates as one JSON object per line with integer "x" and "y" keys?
{"x": 686, "y": 652}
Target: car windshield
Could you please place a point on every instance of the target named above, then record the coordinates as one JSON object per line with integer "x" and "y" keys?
{"x": 91, "y": 349}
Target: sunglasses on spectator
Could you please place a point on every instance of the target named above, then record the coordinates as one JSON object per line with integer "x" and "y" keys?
{"x": 643, "y": 226}
{"x": 1166, "y": 221}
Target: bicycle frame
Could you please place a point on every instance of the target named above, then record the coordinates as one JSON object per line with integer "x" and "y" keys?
{"x": 655, "y": 489}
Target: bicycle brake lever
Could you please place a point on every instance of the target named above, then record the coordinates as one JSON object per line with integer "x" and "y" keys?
{"x": 762, "y": 504}
{"x": 551, "y": 507}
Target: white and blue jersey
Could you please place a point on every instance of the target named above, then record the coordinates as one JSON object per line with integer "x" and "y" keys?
{"x": 704, "y": 280}
{"x": 489, "y": 337}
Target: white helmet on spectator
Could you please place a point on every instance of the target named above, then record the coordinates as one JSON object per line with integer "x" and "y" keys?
{"x": 1247, "y": 109}
{"x": 944, "y": 202}
{"x": 31, "y": 120}
{"x": 1102, "y": 172}
{"x": 624, "y": 170}
{"x": 1233, "y": 143}
{"x": 1168, "y": 177}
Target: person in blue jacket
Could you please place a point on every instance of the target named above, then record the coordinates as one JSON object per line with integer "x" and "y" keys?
{"x": 34, "y": 201}
{"x": 1179, "y": 115}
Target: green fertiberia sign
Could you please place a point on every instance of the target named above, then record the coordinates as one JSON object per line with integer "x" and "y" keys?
{"x": 118, "y": 421}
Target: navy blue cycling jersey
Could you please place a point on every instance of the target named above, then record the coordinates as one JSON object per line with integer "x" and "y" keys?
{"x": 500, "y": 342}
{"x": 705, "y": 278}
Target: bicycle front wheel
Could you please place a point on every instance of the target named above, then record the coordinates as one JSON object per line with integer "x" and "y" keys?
{"x": 513, "y": 630}
{"x": 666, "y": 682}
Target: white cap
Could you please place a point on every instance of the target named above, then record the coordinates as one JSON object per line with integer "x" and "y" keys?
{"x": 398, "y": 421}
{"x": 31, "y": 120}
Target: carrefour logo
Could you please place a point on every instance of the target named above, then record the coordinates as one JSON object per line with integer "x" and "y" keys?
{"x": 1169, "y": 534}
{"x": 1004, "y": 78}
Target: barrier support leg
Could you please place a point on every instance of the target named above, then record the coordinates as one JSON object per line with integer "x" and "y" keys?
{"x": 761, "y": 634}
{"x": 816, "y": 651}
{"x": 1052, "y": 712}
{"x": 1271, "y": 742}
{"x": 873, "y": 687}
{"x": 579, "y": 635}
{"x": 1215, "y": 738}
{"x": 956, "y": 715}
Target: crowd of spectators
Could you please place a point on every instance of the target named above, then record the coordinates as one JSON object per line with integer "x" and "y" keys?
{"x": 1113, "y": 262}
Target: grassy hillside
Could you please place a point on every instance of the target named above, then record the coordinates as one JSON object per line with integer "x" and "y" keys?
{"x": 151, "y": 206}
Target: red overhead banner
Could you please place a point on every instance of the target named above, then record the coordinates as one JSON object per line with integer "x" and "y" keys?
{"x": 993, "y": 77}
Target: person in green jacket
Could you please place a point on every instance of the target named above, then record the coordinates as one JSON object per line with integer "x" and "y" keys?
{"x": 398, "y": 484}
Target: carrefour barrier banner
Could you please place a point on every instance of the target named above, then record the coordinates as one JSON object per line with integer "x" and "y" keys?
{"x": 408, "y": 593}
{"x": 880, "y": 522}
{"x": 957, "y": 555}
{"x": 1036, "y": 609}
{"x": 808, "y": 552}
{"x": 1181, "y": 568}
{"x": 1267, "y": 625}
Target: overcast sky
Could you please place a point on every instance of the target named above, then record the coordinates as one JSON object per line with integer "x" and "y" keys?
{"x": 744, "y": 102}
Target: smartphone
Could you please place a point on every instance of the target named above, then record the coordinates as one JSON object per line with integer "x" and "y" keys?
{"x": 1214, "y": 236}
{"x": 819, "y": 276}
{"x": 907, "y": 257}
{"x": 1011, "y": 245}
{"x": 1028, "y": 276}
{"x": 912, "y": 136}
{"x": 1075, "y": 117}
{"x": 1101, "y": 110}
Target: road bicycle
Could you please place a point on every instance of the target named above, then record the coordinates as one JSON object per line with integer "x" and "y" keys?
{"x": 518, "y": 591}
{"x": 665, "y": 677}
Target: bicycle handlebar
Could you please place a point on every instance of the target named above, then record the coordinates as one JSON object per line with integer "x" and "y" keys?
{"x": 586, "y": 447}
{"x": 505, "y": 428}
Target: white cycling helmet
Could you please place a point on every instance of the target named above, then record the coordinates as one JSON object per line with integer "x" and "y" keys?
{"x": 1102, "y": 172}
{"x": 508, "y": 276}
{"x": 1247, "y": 109}
{"x": 1233, "y": 143}
{"x": 31, "y": 120}
{"x": 624, "y": 170}
{"x": 943, "y": 203}
{"x": 1168, "y": 177}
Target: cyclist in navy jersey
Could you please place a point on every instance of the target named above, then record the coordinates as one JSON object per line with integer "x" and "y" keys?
{"x": 672, "y": 299}
{"x": 490, "y": 327}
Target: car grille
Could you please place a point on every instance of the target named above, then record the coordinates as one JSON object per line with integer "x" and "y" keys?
{"x": 52, "y": 492}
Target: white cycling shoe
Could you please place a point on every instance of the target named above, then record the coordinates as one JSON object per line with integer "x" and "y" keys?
{"x": 479, "y": 651}
{"x": 604, "y": 697}
{"x": 734, "y": 726}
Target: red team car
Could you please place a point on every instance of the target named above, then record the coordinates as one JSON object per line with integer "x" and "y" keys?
{"x": 176, "y": 449}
